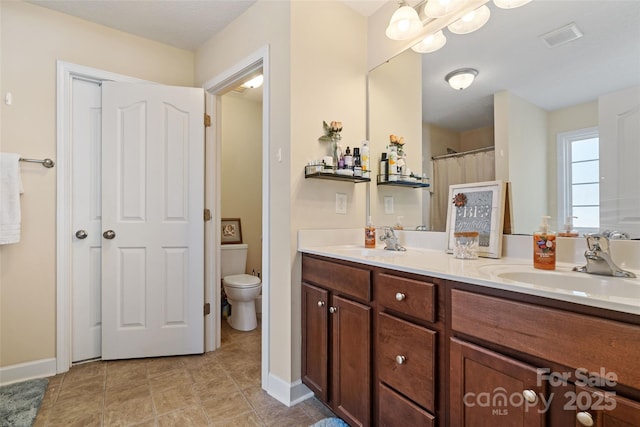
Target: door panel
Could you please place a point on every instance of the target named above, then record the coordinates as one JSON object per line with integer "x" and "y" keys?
{"x": 153, "y": 199}
{"x": 86, "y": 212}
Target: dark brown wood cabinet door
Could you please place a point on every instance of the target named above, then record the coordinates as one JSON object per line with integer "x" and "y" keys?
{"x": 489, "y": 389}
{"x": 351, "y": 389}
{"x": 604, "y": 409}
{"x": 315, "y": 340}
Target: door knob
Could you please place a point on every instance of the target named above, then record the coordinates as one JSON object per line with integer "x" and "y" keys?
{"x": 81, "y": 234}
{"x": 109, "y": 234}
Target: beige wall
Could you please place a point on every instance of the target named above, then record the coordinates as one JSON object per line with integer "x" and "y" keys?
{"x": 477, "y": 138}
{"x": 241, "y": 171}
{"x": 395, "y": 107}
{"x": 33, "y": 39}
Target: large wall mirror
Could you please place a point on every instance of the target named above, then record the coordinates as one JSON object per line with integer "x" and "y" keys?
{"x": 526, "y": 111}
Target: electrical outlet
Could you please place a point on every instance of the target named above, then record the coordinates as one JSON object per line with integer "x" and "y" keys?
{"x": 388, "y": 205}
{"x": 341, "y": 203}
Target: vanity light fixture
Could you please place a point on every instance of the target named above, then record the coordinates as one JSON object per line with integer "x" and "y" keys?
{"x": 471, "y": 22}
{"x": 510, "y": 4}
{"x": 461, "y": 78}
{"x": 254, "y": 82}
{"x": 440, "y": 8}
{"x": 431, "y": 43}
{"x": 404, "y": 24}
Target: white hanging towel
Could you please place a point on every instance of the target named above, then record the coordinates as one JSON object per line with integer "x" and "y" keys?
{"x": 10, "y": 190}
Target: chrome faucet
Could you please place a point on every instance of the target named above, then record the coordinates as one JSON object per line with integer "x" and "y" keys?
{"x": 599, "y": 258}
{"x": 391, "y": 240}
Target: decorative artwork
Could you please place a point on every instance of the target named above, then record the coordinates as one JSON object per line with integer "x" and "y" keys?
{"x": 231, "y": 231}
{"x": 477, "y": 207}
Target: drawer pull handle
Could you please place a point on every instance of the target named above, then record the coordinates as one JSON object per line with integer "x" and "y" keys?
{"x": 585, "y": 418}
{"x": 400, "y": 359}
{"x": 321, "y": 304}
{"x": 400, "y": 296}
{"x": 530, "y": 396}
{"x": 332, "y": 310}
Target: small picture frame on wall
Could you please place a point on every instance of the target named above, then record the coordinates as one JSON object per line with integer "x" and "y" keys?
{"x": 231, "y": 231}
{"x": 477, "y": 207}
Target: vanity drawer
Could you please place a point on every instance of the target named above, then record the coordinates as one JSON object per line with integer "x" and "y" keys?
{"x": 407, "y": 296}
{"x": 406, "y": 358}
{"x": 340, "y": 278}
{"x": 395, "y": 410}
{"x": 571, "y": 339}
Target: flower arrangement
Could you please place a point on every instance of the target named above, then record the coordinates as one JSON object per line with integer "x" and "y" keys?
{"x": 332, "y": 131}
{"x": 398, "y": 142}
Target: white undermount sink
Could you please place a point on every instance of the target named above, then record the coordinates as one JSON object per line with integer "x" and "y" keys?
{"x": 566, "y": 280}
{"x": 369, "y": 252}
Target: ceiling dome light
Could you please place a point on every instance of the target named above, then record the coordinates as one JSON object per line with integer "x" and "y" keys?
{"x": 471, "y": 22}
{"x": 431, "y": 43}
{"x": 440, "y": 8}
{"x": 510, "y": 4}
{"x": 462, "y": 78}
{"x": 404, "y": 24}
{"x": 254, "y": 82}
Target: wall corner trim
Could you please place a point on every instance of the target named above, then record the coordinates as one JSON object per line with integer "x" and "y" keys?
{"x": 289, "y": 394}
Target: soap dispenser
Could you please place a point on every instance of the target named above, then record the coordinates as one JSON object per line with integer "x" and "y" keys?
{"x": 568, "y": 226}
{"x": 544, "y": 247}
{"x": 370, "y": 234}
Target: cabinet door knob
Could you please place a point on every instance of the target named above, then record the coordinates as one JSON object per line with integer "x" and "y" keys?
{"x": 81, "y": 234}
{"x": 320, "y": 303}
{"x": 400, "y": 296}
{"x": 332, "y": 310}
{"x": 109, "y": 234}
{"x": 530, "y": 396}
{"x": 400, "y": 359}
{"x": 584, "y": 418}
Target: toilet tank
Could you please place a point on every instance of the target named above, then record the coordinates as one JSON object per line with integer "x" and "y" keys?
{"x": 233, "y": 259}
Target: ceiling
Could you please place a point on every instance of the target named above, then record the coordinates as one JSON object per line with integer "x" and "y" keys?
{"x": 509, "y": 55}
{"x": 185, "y": 24}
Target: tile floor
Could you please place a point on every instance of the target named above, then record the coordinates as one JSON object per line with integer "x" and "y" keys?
{"x": 220, "y": 388}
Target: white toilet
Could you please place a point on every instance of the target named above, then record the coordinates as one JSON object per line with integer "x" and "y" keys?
{"x": 241, "y": 289}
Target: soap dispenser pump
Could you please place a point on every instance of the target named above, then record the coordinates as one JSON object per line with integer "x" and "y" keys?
{"x": 568, "y": 228}
{"x": 544, "y": 247}
{"x": 370, "y": 234}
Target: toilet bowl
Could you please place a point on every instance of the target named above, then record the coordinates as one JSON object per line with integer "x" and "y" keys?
{"x": 242, "y": 290}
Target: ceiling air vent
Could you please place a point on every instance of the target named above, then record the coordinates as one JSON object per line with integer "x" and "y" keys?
{"x": 561, "y": 35}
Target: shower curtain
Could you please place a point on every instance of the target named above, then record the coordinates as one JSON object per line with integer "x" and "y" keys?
{"x": 458, "y": 168}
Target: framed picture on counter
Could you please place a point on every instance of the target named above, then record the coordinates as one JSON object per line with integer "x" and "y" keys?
{"x": 231, "y": 231}
{"x": 477, "y": 207}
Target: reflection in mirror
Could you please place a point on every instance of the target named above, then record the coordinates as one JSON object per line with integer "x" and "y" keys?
{"x": 531, "y": 101}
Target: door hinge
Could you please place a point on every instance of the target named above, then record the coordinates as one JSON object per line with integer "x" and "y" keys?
{"x": 207, "y": 215}
{"x": 207, "y": 308}
{"x": 207, "y": 120}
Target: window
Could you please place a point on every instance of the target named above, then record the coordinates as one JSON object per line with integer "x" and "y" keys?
{"x": 579, "y": 178}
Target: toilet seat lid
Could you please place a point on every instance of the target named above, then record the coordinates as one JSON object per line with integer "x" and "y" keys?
{"x": 241, "y": 281}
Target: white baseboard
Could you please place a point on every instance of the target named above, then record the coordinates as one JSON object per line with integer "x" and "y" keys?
{"x": 26, "y": 371}
{"x": 289, "y": 394}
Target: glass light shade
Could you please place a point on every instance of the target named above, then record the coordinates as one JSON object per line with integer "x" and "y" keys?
{"x": 510, "y": 4}
{"x": 431, "y": 43}
{"x": 254, "y": 82}
{"x": 462, "y": 78}
{"x": 472, "y": 21}
{"x": 404, "y": 24}
{"x": 439, "y": 8}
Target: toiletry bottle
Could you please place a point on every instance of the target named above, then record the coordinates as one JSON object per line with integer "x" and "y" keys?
{"x": 393, "y": 164}
{"x": 544, "y": 247}
{"x": 348, "y": 159}
{"x": 398, "y": 225}
{"x": 384, "y": 168}
{"x": 568, "y": 225}
{"x": 357, "y": 164}
{"x": 364, "y": 159}
{"x": 369, "y": 235}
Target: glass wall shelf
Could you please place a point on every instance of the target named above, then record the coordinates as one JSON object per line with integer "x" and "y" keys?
{"x": 320, "y": 172}
{"x": 403, "y": 181}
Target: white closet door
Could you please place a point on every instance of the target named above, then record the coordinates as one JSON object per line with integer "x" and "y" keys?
{"x": 86, "y": 220}
{"x": 153, "y": 201}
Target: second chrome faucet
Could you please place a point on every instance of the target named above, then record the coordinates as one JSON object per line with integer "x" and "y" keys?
{"x": 599, "y": 259}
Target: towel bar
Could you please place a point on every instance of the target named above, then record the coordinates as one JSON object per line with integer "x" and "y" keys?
{"x": 47, "y": 163}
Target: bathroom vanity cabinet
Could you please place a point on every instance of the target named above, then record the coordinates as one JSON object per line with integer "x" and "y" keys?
{"x": 402, "y": 349}
{"x": 336, "y": 337}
